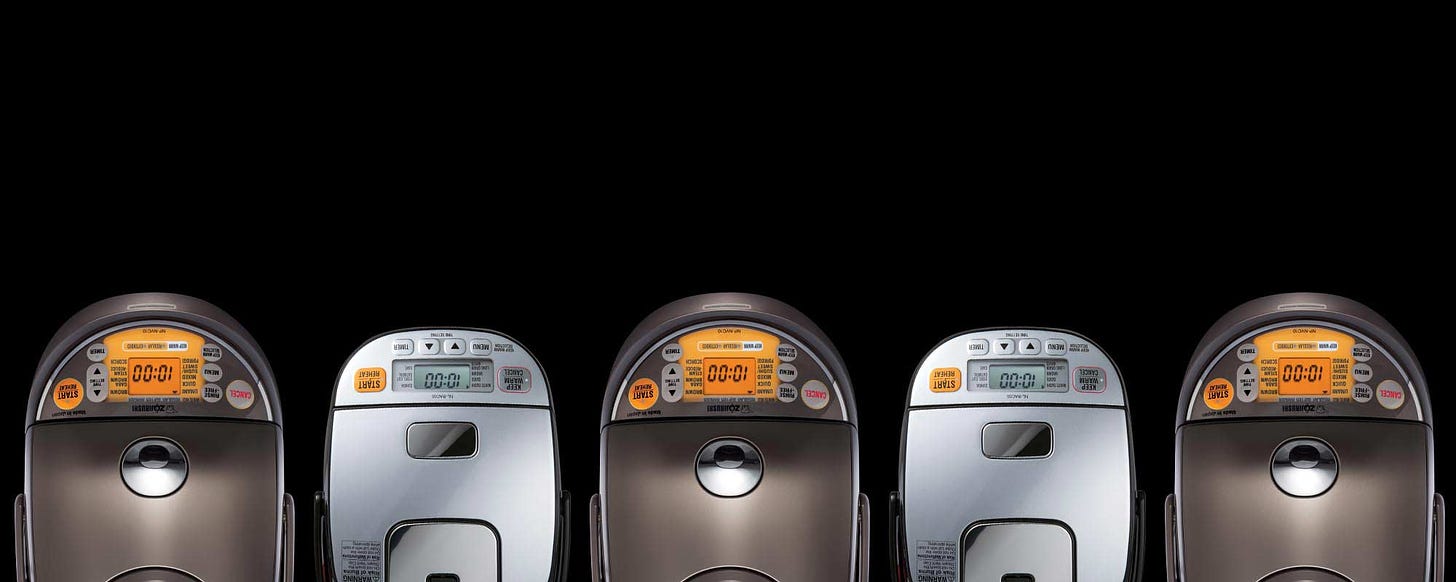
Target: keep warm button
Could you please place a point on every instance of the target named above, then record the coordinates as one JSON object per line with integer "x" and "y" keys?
{"x": 1090, "y": 379}
{"x": 515, "y": 380}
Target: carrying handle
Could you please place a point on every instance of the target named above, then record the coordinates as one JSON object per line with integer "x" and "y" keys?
{"x": 899, "y": 561}
{"x": 22, "y": 555}
{"x": 563, "y": 543}
{"x": 864, "y": 538}
{"x": 290, "y": 515}
{"x": 322, "y": 545}
{"x": 1140, "y": 551}
{"x": 594, "y": 531}
{"x": 1439, "y": 514}
{"x": 1170, "y": 536}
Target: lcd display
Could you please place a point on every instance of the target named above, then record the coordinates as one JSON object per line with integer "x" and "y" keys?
{"x": 1304, "y": 376}
{"x": 729, "y": 376}
{"x": 1018, "y": 377}
{"x": 155, "y": 376}
{"x": 442, "y": 377}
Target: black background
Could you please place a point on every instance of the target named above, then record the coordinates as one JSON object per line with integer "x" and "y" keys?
{"x": 883, "y": 315}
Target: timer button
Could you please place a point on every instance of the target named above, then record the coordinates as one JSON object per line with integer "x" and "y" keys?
{"x": 96, "y": 352}
{"x": 402, "y": 347}
{"x": 672, "y": 352}
{"x": 978, "y": 347}
{"x": 1029, "y": 347}
{"x": 1248, "y": 352}
{"x": 1363, "y": 372}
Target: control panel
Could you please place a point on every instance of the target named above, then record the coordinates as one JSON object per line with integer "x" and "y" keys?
{"x": 1017, "y": 366}
{"x": 441, "y": 366}
{"x": 1305, "y": 368}
{"x": 729, "y": 369}
{"x": 154, "y": 368}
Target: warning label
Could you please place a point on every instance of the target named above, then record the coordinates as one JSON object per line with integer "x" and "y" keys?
{"x": 935, "y": 561}
{"x": 361, "y": 561}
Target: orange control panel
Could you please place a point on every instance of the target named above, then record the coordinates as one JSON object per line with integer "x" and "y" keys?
{"x": 153, "y": 369}
{"x": 1301, "y": 362}
{"x": 729, "y": 361}
{"x": 1305, "y": 369}
{"x": 728, "y": 369}
{"x": 153, "y": 361}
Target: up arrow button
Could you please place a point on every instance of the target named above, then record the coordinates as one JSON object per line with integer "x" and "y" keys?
{"x": 1248, "y": 379}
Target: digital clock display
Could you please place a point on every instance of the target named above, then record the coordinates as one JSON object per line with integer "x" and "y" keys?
{"x": 1304, "y": 376}
{"x": 729, "y": 376}
{"x": 442, "y": 377}
{"x": 1018, "y": 377}
{"x": 154, "y": 376}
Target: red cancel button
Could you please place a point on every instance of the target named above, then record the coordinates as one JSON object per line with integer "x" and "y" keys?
{"x": 1390, "y": 394}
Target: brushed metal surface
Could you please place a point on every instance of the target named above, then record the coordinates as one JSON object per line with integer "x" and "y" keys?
{"x": 994, "y": 552}
{"x": 377, "y": 353}
{"x": 798, "y": 525}
{"x": 468, "y": 552}
{"x": 510, "y": 482}
{"x": 954, "y": 353}
{"x": 223, "y": 526}
{"x": 1235, "y": 524}
{"x": 1086, "y": 483}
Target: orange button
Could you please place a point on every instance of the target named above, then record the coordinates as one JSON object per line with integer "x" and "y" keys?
{"x": 945, "y": 379}
{"x": 368, "y": 380}
{"x": 67, "y": 393}
{"x": 642, "y": 394}
{"x": 1218, "y": 393}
